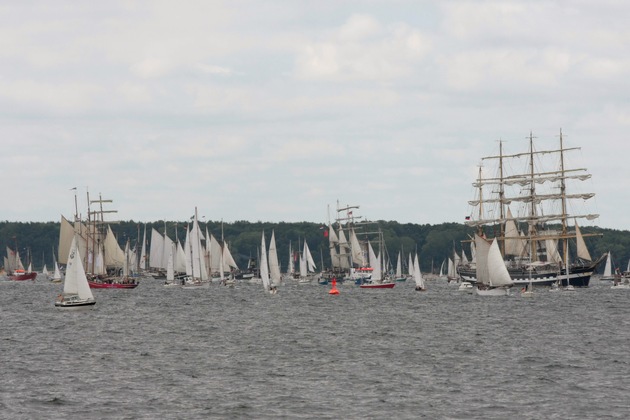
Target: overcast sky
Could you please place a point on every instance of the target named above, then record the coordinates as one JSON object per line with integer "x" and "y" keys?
{"x": 275, "y": 110}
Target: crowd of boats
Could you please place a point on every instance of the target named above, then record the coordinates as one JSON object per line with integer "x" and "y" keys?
{"x": 540, "y": 245}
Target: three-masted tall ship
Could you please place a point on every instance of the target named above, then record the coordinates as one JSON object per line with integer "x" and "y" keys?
{"x": 541, "y": 244}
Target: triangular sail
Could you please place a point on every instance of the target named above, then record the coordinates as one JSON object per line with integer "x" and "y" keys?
{"x": 582, "y": 251}
{"x": 76, "y": 281}
{"x": 482, "y": 246}
{"x": 274, "y": 265}
{"x": 156, "y": 252}
{"x": 344, "y": 251}
{"x": 310, "y": 263}
{"x": 608, "y": 266}
{"x": 417, "y": 274}
{"x": 264, "y": 267}
{"x": 358, "y": 258}
{"x": 497, "y": 271}
{"x": 143, "y": 251}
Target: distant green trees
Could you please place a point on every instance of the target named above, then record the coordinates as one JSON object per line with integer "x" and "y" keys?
{"x": 36, "y": 240}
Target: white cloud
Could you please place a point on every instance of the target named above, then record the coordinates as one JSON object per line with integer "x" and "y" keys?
{"x": 363, "y": 49}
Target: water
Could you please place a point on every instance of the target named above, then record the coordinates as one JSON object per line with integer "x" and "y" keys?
{"x": 157, "y": 352}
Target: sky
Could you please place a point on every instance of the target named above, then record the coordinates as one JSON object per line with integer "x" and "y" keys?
{"x": 281, "y": 110}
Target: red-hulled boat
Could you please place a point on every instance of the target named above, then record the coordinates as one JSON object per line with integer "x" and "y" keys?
{"x": 377, "y": 285}
{"x": 21, "y": 275}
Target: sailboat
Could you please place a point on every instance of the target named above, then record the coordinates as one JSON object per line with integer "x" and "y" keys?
{"x": 45, "y": 272}
{"x": 493, "y": 278}
{"x": 196, "y": 273}
{"x": 264, "y": 269}
{"x": 56, "y": 278}
{"x": 15, "y": 268}
{"x": 399, "y": 274}
{"x": 76, "y": 290}
{"x": 417, "y": 275}
{"x": 274, "y": 266}
{"x": 608, "y": 275}
{"x": 532, "y": 249}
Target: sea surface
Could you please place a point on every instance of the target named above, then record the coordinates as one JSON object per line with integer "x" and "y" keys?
{"x": 238, "y": 353}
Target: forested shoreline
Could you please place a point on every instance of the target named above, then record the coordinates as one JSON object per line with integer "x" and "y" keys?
{"x": 434, "y": 243}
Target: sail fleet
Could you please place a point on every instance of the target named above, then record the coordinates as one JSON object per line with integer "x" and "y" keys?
{"x": 526, "y": 235}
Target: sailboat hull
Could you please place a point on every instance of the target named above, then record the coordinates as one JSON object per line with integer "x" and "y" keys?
{"x": 494, "y": 291}
{"x": 75, "y": 305}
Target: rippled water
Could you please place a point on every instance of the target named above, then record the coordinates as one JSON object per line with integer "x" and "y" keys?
{"x": 157, "y": 352}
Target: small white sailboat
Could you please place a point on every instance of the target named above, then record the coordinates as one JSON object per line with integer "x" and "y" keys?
{"x": 493, "y": 278}
{"x": 76, "y": 290}
{"x": 45, "y": 272}
{"x": 417, "y": 275}
{"x": 608, "y": 275}
{"x": 56, "y": 278}
{"x": 264, "y": 269}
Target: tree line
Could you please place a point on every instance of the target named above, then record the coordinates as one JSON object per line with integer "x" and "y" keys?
{"x": 434, "y": 243}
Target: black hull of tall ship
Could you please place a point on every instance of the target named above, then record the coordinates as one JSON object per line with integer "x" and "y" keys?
{"x": 579, "y": 275}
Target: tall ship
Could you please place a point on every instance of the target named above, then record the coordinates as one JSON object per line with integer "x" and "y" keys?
{"x": 541, "y": 242}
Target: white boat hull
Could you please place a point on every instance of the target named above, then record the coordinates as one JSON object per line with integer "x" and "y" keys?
{"x": 495, "y": 291}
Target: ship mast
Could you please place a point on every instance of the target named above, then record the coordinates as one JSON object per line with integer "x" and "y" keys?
{"x": 563, "y": 200}
{"x": 501, "y": 199}
{"x": 532, "y": 208}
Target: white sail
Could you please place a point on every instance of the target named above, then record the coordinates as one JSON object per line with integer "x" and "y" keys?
{"x": 264, "y": 267}
{"x": 198, "y": 265}
{"x": 498, "y": 274}
{"x": 227, "y": 257}
{"x": 291, "y": 265}
{"x": 76, "y": 281}
{"x": 344, "y": 251}
{"x": 310, "y": 263}
{"x": 170, "y": 266}
{"x": 399, "y": 266}
{"x": 608, "y": 266}
{"x": 333, "y": 241}
{"x": 553, "y": 255}
{"x": 114, "y": 255}
{"x": 156, "y": 252}
{"x": 417, "y": 274}
{"x": 410, "y": 266}
{"x": 375, "y": 263}
{"x": 66, "y": 235}
{"x": 216, "y": 254}
{"x": 45, "y": 271}
{"x": 358, "y": 257}
{"x": 274, "y": 265}
{"x": 179, "y": 260}
{"x": 512, "y": 236}
{"x": 302, "y": 263}
{"x": 57, "y": 273}
{"x": 143, "y": 252}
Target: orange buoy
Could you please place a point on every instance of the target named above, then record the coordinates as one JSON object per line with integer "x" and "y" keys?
{"x": 333, "y": 290}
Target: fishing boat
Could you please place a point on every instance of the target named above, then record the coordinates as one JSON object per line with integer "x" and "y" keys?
{"x": 533, "y": 250}
{"x": 493, "y": 278}
{"x": 76, "y": 290}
